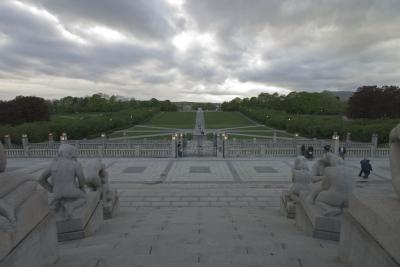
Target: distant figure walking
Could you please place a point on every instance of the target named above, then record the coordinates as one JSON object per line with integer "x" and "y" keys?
{"x": 366, "y": 168}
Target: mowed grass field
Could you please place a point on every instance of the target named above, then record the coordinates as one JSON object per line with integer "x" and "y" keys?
{"x": 166, "y": 123}
{"x": 186, "y": 120}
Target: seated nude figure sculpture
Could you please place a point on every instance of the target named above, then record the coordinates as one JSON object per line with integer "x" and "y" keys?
{"x": 300, "y": 177}
{"x": 97, "y": 178}
{"x": 67, "y": 182}
{"x": 394, "y": 139}
{"x": 331, "y": 194}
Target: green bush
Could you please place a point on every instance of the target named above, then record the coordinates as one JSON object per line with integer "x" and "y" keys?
{"x": 322, "y": 126}
{"x": 78, "y": 126}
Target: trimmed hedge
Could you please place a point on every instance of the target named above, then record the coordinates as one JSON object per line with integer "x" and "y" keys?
{"x": 320, "y": 126}
{"x": 78, "y": 126}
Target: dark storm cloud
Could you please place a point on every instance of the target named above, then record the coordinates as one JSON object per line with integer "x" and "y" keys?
{"x": 196, "y": 50}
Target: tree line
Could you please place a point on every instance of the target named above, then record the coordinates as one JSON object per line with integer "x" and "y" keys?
{"x": 25, "y": 109}
{"x": 368, "y": 102}
{"x": 324, "y": 103}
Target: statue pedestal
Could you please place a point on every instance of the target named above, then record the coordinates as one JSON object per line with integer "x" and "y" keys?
{"x": 309, "y": 218}
{"x": 111, "y": 207}
{"x": 33, "y": 240}
{"x": 288, "y": 206}
{"x": 85, "y": 220}
{"x": 371, "y": 233}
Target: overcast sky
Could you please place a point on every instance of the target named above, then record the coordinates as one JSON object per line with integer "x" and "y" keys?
{"x": 196, "y": 50}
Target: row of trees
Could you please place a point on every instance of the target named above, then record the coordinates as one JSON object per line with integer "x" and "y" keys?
{"x": 104, "y": 103}
{"x": 24, "y": 109}
{"x": 324, "y": 103}
{"x": 375, "y": 102}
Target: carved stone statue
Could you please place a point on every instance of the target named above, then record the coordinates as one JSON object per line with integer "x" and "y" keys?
{"x": 97, "y": 178}
{"x": 332, "y": 193}
{"x": 3, "y": 159}
{"x": 67, "y": 182}
{"x": 328, "y": 159}
{"x": 394, "y": 139}
{"x": 300, "y": 177}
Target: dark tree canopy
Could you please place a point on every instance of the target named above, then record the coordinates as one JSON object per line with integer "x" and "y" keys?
{"x": 374, "y": 102}
{"x": 24, "y": 109}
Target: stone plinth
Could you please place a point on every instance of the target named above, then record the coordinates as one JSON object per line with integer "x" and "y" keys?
{"x": 85, "y": 220}
{"x": 310, "y": 219}
{"x": 371, "y": 230}
{"x": 32, "y": 241}
{"x": 287, "y": 205}
{"x": 110, "y": 207}
{"x": 37, "y": 249}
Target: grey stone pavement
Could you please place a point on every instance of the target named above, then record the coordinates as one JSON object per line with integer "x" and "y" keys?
{"x": 200, "y": 212}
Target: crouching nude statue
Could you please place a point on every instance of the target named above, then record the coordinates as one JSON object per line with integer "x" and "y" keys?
{"x": 300, "y": 177}
{"x": 332, "y": 192}
{"x": 97, "y": 180}
{"x": 67, "y": 182}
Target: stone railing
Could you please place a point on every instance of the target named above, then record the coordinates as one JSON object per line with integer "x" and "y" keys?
{"x": 292, "y": 149}
{"x": 93, "y": 149}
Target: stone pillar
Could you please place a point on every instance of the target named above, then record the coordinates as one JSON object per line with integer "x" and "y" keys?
{"x": 63, "y": 138}
{"x": 219, "y": 146}
{"x": 51, "y": 138}
{"x": 173, "y": 147}
{"x": 274, "y": 137}
{"x": 263, "y": 150}
{"x": 25, "y": 144}
{"x": 137, "y": 151}
{"x": 124, "y": 136}
{"x": 374, "y": 140}
{"x": 336, "y": 143}
{"x": 7, "y": 141}
{"x": 348, "y": 138}
{"x": 254, "y": 140}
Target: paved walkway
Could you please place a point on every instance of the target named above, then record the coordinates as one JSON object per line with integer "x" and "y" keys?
{"x": 200, "y": 212}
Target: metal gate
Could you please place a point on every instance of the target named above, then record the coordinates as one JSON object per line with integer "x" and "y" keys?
{"x": 193, "y": 148}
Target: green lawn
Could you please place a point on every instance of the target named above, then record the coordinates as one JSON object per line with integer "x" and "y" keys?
{"x": 173, "y": 120}
{"x": 217, "y": 120}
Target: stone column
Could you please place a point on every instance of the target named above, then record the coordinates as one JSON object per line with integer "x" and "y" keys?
{"x": 25, "y": 144}
{"x": 274, "y": 137}
{"x": 7, "y": 141}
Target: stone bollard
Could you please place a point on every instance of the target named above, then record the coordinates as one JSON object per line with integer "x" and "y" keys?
{"x": 7, "y": 141}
